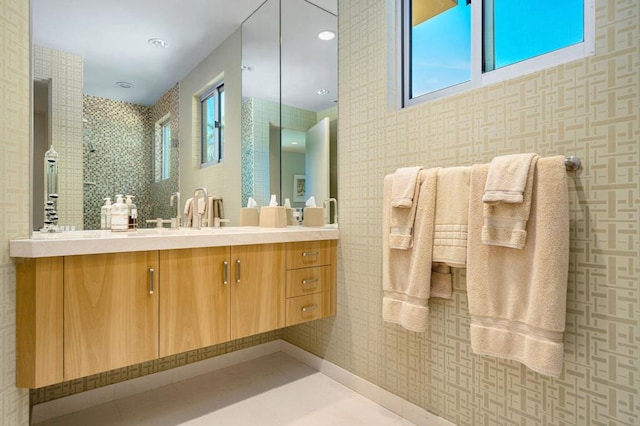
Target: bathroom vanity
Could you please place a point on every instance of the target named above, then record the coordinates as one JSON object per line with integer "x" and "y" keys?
{"x": 93, "y": 301}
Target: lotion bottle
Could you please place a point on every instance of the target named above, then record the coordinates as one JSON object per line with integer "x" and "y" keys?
{"x": 119, "y": 215}
{"x": 132, "y": 213}
{"x": 105, "y": 214}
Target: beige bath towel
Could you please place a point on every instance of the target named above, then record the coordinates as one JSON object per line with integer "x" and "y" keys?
{"x": 506, "y": 224}
{"x": 507, "y": 178}
{"x": 452, "y": 212}
{"x": 402, "y": 219}
{"x": 517, "y": 298}
{"x": 214, "y": 210}
{"x": 406, "y": 274}
{"x": 404, "y": 185}
{"x": 441, "y": 281}
{"x": 188, "y": 212}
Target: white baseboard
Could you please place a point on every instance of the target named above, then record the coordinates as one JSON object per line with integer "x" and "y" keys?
{"x": 77, "y": 402}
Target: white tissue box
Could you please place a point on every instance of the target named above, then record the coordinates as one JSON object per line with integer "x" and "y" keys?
{"x": 313, "y": 216}
{"x": 273, "y": 217}
{"x": 249, "y": 216}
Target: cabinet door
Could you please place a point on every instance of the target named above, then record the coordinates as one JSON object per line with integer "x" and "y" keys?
{"x": 110, "y": 311}
{"x": 194, "y": 299}
{"x": 257, "y": 292}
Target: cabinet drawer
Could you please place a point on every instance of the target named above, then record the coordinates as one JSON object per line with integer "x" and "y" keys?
{"x": 308, "y": 280}
{"x": 309, "y": 253}
{"x": 308, "y": 308}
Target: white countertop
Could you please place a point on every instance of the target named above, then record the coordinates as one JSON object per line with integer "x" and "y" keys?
{"x": 71, "y": 243}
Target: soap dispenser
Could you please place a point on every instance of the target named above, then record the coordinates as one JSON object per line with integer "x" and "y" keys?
{"x": 132, "y": 213}
{"x": 105, "y": 214}
{"x": 119, "y": 215}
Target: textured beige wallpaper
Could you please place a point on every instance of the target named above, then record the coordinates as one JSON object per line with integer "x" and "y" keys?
{"x": 14, "y": 196}
{"x": 589, "y": 108}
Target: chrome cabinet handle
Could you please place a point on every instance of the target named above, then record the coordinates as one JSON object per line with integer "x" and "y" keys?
{"x": 309, "y": 253}
{"x": 238, "y": 270}
{"x": 311, "y": 281}
{"x": 225, "y": 266}
{"x": 309, "y": 308}
{"x": 151, "y": 271}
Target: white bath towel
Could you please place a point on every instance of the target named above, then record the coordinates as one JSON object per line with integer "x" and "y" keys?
{"x": 517, "y": 298}
{"x": 507, "y": 178}
{"x": 401, "y": 218}
{"x": 452, "y": 213}
{"x": 406, "y": 274}
{"x": 403, "y": 188}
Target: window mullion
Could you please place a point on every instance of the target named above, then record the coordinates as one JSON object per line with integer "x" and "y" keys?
{"x": 476, "y": 42}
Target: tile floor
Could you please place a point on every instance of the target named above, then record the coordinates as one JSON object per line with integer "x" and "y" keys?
{"x": 273, "y": 390}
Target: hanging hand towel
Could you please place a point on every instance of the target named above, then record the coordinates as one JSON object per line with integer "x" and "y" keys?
{"x": 507, "y": 178}
{"x": 506, "y": 224}
{"x": 188, "y": 212}
{"x": 406, "y": 274}
{"x": 517, "y": 298}
{"x": 404, "y": 186}
{"x": 402, "y": 219}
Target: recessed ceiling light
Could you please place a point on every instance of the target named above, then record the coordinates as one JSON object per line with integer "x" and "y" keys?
{"x": 326, "y": 35}
{"x": 247, "y": 68}
{"x": 322, "y": 92}
{"x": 157, "y": 42}
{"x": 294, "y": 143}
{"x": 124, "y": 84}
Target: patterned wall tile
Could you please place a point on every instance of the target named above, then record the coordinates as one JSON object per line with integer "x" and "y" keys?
{"x": 587, "y": 108}
{"x": 14, "y": 198}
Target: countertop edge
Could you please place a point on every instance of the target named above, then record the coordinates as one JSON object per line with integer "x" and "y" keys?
{"x": 107, "y": 242}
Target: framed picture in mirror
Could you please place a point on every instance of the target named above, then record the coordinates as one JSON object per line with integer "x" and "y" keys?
{"x": 299, "y": 188}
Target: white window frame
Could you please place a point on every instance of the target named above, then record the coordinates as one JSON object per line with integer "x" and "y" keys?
{"x": 214, "y": 92}
{"x": 479, "y": 78}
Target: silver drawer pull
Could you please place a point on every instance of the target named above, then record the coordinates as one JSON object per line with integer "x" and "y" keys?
{"x": 309, "y": 253}
{"x": 311, "y": 281}
{"x": 225, "y": 265}
{"x": 151, "y": 271}
{"x": 309, "y": 308}
{"x": 238, "y": 270}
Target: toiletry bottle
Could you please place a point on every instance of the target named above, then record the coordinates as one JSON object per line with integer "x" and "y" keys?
{"x": 133, "y": 213}
{"x": 119, "y": 215}
{"x": 105, "y": 214}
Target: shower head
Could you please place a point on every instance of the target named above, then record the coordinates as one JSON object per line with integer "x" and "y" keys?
{"x": 92, "y": 146}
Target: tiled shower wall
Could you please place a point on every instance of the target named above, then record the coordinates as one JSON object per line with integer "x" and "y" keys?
{"x": 65, "y": 72}
{"x": 14, "y": 197}
{"x": 122, "y": 162}
{"x": 589, "y": 108}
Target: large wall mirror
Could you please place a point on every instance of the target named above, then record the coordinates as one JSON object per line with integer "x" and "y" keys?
{"x": 289, "y": 102}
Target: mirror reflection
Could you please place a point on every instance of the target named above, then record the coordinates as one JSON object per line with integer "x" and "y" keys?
{"x": 289, "y": 120}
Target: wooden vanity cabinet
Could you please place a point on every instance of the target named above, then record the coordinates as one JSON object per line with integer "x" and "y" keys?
{"x": 213, "y": 295}
{"x": 86, "y": 314}
{"x": 194, "y": 299}
{"x": 39, "y": 331}
{"x": 110, "y": 311}
{"x": 311, "y": 281}
{"x": 257, "y": 289}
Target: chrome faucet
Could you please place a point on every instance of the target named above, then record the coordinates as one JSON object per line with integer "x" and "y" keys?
{"x": 335, "y": 207}
{"x": 175, "y": 197}
{"x": 197, "y": 217}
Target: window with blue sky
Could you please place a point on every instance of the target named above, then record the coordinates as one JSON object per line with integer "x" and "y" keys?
{"x": 440, "y": 35}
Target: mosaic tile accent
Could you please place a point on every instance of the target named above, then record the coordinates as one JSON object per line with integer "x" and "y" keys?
{"x": 587, "y": 108}
{"x": 65, "y": 72}
{"x": 15, "y": 83}
{"x": 247, "y": 154}
{"x": 122, "y": 163}
{"x": 83, "y": 384}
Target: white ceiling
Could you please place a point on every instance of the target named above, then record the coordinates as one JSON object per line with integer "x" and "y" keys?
{"x": 112, "y": 38}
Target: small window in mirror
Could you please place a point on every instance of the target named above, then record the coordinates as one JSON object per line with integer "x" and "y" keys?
{"x": 212, "y": 125}
{"x": 163, "y": 149}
